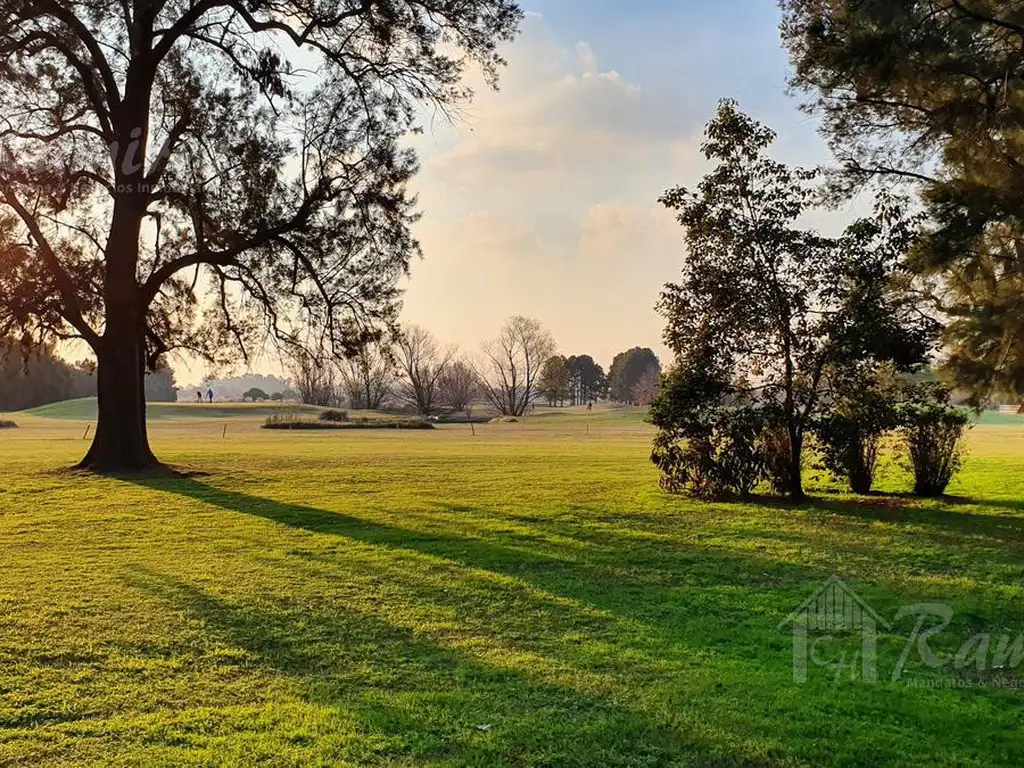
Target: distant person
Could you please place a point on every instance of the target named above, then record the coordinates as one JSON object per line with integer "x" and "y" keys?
{"x": 209, "y": 394}
{"x": 590, "y": 407}
{"x": 199, "y": 396}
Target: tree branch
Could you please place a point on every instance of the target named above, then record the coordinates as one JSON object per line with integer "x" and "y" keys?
{"x": 72, "y": 309}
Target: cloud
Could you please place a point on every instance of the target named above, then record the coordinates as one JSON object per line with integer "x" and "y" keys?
{"x": 587, "y": 59}
{"x": 542, "y": 200}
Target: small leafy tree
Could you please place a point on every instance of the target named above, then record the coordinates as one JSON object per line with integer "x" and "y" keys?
{"x": 849, "y": 433}
{"x": 774, "y": 307}
{"x": 646, "y": 388}
{"x": 933, "y": 433}
{"x": 628, "y": 369}
{"x": 714, "y": 454}
{"x": 702, "y": 447}
{"x": 256, "y": 395}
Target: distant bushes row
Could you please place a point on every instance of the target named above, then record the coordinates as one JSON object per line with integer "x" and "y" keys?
{"x": 285, "y": 421}
{"x": 730, "y": 449}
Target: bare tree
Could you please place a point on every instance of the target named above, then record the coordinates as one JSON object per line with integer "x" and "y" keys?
{"x": 459, "y": 386}
{"x": 421, "y": 363}
{"x": 315, "y": 381}
{"x": 368, "y": 378}
{"x": 513, "y": 364}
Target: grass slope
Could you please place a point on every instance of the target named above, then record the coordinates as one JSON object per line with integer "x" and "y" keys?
{"x": 523, "y": 597}
{"x": 84, "y": 409}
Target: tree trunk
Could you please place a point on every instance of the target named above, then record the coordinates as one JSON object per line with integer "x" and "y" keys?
{"x": 121, "y": 443}
{"x": 796, "y": 485}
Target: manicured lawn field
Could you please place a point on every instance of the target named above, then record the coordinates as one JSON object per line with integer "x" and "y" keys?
{"x": 526, "y": 596}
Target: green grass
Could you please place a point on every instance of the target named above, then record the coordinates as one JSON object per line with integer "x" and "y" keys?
{"x": 526, "y": 596}
{"x": 84, "y": 409}
{"x": 1001, "y": 418}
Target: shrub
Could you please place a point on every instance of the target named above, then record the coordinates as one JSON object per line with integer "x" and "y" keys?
{"x": 848, "y": 449}
{"x": 713, "y": 454}
{"x": 776, "y": 457}
{"x": 850, "y": 432}
{"x": 334, "y": 415}
{"x": 933, "y": 433}
{"x": 5, "y": 424}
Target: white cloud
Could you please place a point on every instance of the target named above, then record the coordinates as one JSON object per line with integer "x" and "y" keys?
{"x": 543, "y": 200}
{"x": 587, "y": 59}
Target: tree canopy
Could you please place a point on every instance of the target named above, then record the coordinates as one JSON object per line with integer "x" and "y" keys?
{"x": 256, "y": 395}
{"x": 932, "y": 92}
{"x": 184, "y": 174}
{"x": 587, "y": 380}
{"x": 554, "y": 380}
{"x": 627, "y": 371}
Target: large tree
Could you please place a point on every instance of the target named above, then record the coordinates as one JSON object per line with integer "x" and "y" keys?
{"x": 587, "y": 380}
{"x": 764, "y": 311}
{"x": 932, "y": 92}
{"x": 554, "y": 380}
{"x": 177, "y": 174}
{"x": 628, "y": 369}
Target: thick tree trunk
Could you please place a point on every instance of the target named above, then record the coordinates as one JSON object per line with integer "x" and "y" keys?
{"x": 121, "y": 443}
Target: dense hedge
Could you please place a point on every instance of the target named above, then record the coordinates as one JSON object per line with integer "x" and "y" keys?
{"x": 288, "y": 422}
{"x": 725, "y": 450}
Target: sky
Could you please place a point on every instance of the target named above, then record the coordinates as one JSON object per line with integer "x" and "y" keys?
{"x": 541, "y": 198}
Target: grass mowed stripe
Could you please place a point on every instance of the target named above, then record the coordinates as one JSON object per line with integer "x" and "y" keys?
{"x": 522, "y": 597}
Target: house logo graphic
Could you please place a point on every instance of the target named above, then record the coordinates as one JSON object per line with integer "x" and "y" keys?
{"x": 834, "y": 609}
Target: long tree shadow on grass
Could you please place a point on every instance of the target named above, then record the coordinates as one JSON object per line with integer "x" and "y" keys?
{"x": 944, "y": 513}
{"x": 637, "y": 581}
{"x": 691, "y": 601}
{"x": 638, "y": 589}
{"x": 351, "y": 658}
{"x": 433, "y": 702}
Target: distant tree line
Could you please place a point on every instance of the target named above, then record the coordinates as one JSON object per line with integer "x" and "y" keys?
{"x": 35, "y": 377}
{"x": 512, "y": 372}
